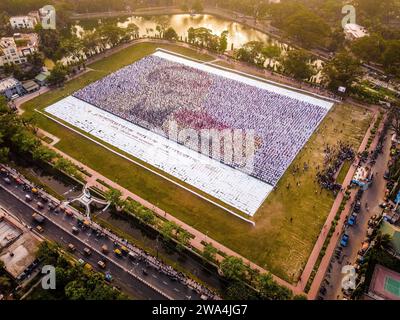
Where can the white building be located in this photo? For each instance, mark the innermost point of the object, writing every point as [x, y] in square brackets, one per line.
[25, 22]
[17, 48]
[354, 31]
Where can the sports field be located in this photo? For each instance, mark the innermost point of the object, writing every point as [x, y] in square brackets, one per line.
[287, 224]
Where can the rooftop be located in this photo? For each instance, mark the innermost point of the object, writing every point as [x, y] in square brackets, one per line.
[7, 84]
[385, 284]
[18, 244]
[355, 30]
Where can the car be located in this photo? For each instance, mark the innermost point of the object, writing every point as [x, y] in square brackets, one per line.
[345, 240]
[75, 229]
[383, 205]
[71, 247]
[144, 271]
[40, 205]
[108, 277]
[81, 262]
[7, 180]
[39, 229]
[101, 264]
[28, 198]
[118, 253]
[352, 220]
[87, 251]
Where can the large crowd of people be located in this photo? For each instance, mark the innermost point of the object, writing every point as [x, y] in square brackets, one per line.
[334, 159]
[155, 91]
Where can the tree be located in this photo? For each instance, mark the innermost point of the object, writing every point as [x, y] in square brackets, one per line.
[223, 41]
[368, 48]
[342, 70]
[58, 75]
[167, 229]
[233, 268]
[270, 290]
[5, 283]
[49, 43]
[307, 28]
[197, 6]
[251, 52]
[238, 290]
[210, 252]
[43, 153]
[383, 241]
[297, 64]
[391, 57]
[395, 124]
[170, 34]
[114, 197]
[271, 52]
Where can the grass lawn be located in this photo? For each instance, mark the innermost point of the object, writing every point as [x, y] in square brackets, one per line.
[343, 172]
[287, 224]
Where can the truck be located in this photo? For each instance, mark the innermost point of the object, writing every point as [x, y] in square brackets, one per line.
[37, 217]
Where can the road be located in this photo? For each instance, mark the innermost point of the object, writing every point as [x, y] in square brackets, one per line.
[126, 272]
[369, 206]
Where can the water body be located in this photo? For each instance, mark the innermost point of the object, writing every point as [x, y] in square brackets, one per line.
[238, 34]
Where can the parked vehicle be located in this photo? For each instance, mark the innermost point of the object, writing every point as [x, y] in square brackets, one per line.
[39, 229]
[101, 264]
[352, 219]
[345, 240]
[75, 230]
[87, 251]
[71, 247]
[118, 252]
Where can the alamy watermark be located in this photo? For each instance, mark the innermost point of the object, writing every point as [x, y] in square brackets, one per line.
[49, 278]
[48, 17]
[350, 15]
[349, 280]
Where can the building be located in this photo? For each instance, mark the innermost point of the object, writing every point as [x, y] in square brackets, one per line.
[41, 78]
[28, 21]
[385, 284]
[17, 48]
[11, 88]
[30, 86]
[354, 31]
[18, 245]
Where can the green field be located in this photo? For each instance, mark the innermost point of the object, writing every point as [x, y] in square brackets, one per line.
[287, 224]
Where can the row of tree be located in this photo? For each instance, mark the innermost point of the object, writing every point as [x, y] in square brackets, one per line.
[73, 282]
[18, 136]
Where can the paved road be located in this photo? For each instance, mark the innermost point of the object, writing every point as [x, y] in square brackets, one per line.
[358, 233]
[123, 270]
